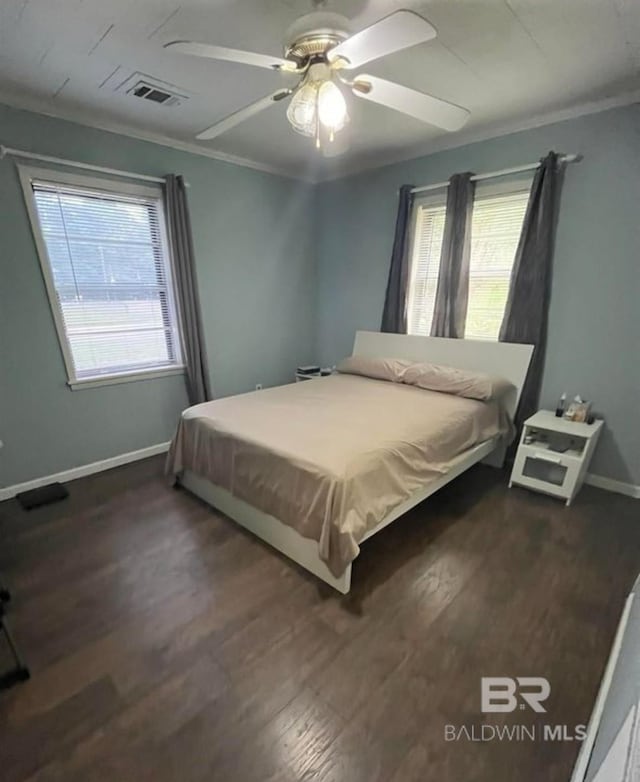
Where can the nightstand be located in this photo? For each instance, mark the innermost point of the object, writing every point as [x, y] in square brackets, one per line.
[554, 454]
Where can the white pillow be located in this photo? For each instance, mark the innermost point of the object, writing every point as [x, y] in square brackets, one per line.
[377, 368]
[432, 377]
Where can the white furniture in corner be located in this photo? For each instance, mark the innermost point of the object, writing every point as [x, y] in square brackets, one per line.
[554, 454]
[300, 376]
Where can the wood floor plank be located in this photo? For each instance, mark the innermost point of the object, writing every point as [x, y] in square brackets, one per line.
[169, 645]
[132, 736]
[27, 747]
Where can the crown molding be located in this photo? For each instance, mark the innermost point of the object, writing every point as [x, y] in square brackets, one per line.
[80, 117]
[454, 141]
[490, 132]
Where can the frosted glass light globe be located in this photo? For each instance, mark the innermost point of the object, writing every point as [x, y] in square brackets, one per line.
[332, 107]
[301, 112]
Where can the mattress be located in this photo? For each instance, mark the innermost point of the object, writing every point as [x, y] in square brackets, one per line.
[332, 456]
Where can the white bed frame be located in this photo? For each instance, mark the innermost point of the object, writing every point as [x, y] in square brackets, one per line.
[505, 360]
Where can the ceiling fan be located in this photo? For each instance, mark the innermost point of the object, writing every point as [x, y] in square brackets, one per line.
[320, 51]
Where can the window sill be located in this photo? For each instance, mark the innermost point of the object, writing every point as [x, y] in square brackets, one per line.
[124, 377]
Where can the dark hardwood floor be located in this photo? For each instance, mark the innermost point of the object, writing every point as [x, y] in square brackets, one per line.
[167, 644]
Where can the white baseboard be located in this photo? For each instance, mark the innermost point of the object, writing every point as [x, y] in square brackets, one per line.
[609, 484]
[599, 481]
[85, 469]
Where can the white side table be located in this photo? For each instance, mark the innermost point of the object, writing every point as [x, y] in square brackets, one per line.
[554, 454]
[300, 376]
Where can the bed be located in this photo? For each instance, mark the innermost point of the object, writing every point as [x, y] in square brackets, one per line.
[316, 468]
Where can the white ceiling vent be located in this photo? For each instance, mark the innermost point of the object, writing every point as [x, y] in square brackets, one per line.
[141, 86]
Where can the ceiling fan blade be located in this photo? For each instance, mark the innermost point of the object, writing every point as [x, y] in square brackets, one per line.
[397, 31]
[232, 55]
[416, 104]
[242, 114]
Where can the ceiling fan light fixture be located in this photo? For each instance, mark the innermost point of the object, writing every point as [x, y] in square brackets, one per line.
[318, 105]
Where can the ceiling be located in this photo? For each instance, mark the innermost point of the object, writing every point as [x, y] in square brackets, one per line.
[510, 62]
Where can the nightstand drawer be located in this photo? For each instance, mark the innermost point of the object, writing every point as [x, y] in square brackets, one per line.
[540, 452]
[547, 471]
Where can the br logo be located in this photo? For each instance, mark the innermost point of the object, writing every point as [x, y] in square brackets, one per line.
[502, 693]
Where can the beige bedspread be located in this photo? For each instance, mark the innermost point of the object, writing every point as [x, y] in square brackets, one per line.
[332, 456]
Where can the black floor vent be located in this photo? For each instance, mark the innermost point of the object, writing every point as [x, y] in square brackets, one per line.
[53, 492]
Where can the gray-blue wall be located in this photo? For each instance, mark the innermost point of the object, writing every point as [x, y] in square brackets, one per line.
[283, 267]
[594, 330]
[253, 238]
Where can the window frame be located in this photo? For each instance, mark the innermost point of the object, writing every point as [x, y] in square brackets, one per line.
[28, 175]
[438, 198]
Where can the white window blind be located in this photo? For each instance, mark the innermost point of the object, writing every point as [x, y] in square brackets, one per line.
[495, 231]
[428, 233]
[108, 265]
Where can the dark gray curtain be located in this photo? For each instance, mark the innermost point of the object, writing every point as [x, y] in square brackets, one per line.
[187, 289]
[394, 314]
[452, 294]
[525, 317]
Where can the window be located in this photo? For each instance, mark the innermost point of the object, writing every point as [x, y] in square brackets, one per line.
[104, 257]
[498, 213]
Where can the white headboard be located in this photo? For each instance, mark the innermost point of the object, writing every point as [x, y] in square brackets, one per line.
[504, 359]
